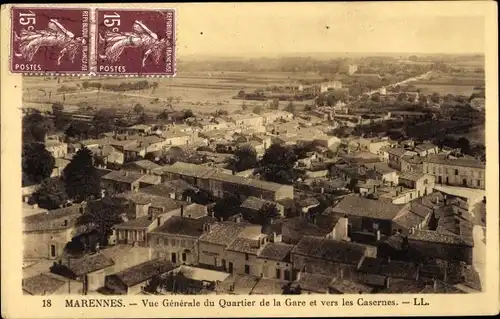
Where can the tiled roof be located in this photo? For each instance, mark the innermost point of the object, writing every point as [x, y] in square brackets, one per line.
[396, 151]
[329, 249]
[141, 222]
[223, 233]
[412, 176]
[310, 201]
[87, 264]
[195, 211]
[345, 286]
[184, 226]
[266, 286]
[143, 164]
[145, 271]
[425, 147]
[465, 162]
[163, 190]
[245, 245]
[276, 251]
[254, 203]
[314, 282]
[179, 185]
[392, 268]
[123, 176]
[142, 198]
[408, 219]
[237, 284]
[441, 288]
[298, 227]
[53, 219]
[234, 179]
[364, 207]
[436, 237]
[188, 169]
[42, 284]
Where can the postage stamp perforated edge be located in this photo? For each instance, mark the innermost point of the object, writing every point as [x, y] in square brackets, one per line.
[92, 47]
[45, 73]
[143, 75]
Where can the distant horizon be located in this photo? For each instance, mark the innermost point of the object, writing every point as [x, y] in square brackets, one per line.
[335, 55]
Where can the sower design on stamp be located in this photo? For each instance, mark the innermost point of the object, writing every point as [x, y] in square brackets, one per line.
[131, 42]
[51, 40]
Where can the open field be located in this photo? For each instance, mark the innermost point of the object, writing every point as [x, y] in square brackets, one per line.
[202, 92]
[444, 89]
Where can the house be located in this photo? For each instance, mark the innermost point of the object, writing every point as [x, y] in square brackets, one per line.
[89, 270]
[237, 285]
[178, 138]
[372, 145]
[333, 85]
[116, 182]
[45, 284]
[384, 173]
[221, 183]
[253, 206]
[411, 163]
[273, 261]
[325, 225]
[141, 166]
[132, 281]
[149, 212]
[327, 257]
[216, 238]
[248, 121]
[426, 149]
[177, 239]
[139, 129]
[445, 246]
[381, 271]
[423, 184]
[464, 172]
[394, 156]
[46, 234]
[368, 215]
[242, 253]
[56, 148]
[271, 117]
[126, 256]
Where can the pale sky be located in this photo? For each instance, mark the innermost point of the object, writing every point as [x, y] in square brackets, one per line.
[282, 28]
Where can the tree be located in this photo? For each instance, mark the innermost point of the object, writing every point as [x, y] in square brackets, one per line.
[464, 145]
[245, 158]
[267, 213]
[241, 93]
[80, 130]
[50, 195]
[138, 108]
[257, 109]
[57, 108]
[37, 162]
[244, 106]
[290, 107]
[275, 104]
[102, 215]
[277, 164]
[104, 121]
[225, 207]
[36, 126]
[81, 179]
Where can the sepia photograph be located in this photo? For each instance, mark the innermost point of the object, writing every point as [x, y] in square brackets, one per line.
[176, 151]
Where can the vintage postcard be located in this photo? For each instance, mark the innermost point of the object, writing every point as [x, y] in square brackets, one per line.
[249, 159]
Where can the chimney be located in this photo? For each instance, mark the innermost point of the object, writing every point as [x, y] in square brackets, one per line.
[275, 239]
[125, 173]
[389, 259]
[182, 210]
[150, 215]
[65, 223]
[445, 276]
[97, 247]
[387, 282]
[341, 273]
[158, 221]
[207, 227]
[434, 285]
[378, 235]
[238, 218]
[322, 190]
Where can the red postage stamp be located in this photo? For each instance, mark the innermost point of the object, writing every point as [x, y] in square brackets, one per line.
[50, 40]
[135, 42]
